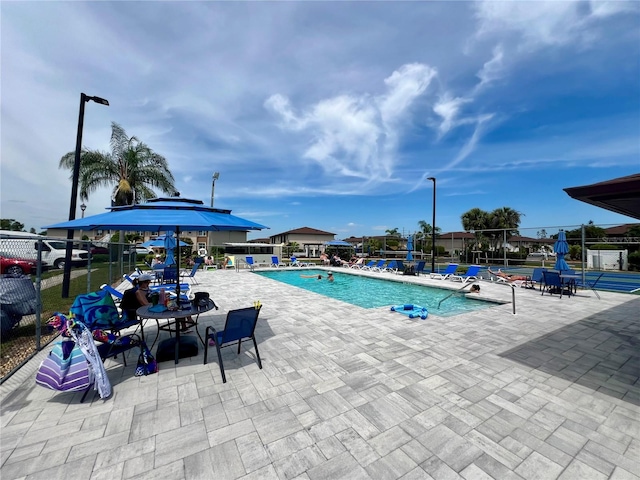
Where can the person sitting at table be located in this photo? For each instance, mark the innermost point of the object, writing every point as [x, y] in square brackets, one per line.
[136, 297]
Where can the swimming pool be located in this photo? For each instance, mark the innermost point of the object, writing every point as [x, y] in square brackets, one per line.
[368, 292]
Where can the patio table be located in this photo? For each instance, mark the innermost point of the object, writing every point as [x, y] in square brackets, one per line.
[569, 280]
[173, 317]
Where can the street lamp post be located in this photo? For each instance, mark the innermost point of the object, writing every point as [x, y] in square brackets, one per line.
[433, 228]
[74, 190]
[83, 207]
[216, 176]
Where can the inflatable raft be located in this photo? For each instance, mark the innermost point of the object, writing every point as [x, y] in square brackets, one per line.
[413, 311]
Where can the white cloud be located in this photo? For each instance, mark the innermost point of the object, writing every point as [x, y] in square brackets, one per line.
[544, 24]
[493, 69]
[448, 108]
[357, 135]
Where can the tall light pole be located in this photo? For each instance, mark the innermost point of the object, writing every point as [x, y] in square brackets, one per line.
[74, 190]
[83, 207]
[433, 228]
[216, 176]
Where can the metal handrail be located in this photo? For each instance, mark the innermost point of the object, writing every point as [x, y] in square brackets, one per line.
[513, 293]
[452, 294]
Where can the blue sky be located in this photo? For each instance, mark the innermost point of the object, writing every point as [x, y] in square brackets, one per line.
[330, 114]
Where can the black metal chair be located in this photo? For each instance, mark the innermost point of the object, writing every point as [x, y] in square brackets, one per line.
[239, 327]
[552, 283]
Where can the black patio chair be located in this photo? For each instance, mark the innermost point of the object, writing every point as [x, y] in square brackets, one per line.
[239, 327]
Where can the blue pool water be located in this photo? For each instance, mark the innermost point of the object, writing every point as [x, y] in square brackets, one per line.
[370, 292]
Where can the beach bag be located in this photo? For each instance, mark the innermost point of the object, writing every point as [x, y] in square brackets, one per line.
[147, 364]
[65, 369]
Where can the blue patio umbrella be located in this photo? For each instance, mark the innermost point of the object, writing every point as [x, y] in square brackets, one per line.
[561, 247]
[158, 242]
[409, 248]
[163, 215]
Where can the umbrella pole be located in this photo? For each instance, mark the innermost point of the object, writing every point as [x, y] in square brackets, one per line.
[178, 266]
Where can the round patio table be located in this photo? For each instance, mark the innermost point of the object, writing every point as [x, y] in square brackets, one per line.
[173, 317]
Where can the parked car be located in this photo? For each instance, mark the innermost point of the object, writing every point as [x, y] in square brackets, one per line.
[16, 266]
[94, 249]
[139, 250]
[53, 251]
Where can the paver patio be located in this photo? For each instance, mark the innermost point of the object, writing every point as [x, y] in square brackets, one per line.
[346, 392]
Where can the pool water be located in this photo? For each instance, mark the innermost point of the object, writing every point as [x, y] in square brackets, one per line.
[370, 292]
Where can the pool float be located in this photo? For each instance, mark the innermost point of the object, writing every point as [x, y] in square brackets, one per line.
[414, 311]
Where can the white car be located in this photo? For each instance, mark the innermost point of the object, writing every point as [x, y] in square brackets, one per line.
[140, 250]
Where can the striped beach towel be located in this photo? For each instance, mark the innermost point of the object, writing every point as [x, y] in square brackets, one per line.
[65, 369]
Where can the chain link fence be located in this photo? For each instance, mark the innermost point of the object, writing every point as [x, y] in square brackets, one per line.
[40, 261]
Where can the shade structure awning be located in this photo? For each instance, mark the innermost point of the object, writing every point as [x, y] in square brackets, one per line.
[620, 195]
[337, 243]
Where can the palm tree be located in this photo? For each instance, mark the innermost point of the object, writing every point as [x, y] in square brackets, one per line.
[426, 231]
[475, 219]
[131, 166]
[505, 218]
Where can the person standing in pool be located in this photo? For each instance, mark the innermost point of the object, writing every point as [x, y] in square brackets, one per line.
[330, 276]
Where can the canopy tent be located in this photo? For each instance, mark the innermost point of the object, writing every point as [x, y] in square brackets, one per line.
[163, 215]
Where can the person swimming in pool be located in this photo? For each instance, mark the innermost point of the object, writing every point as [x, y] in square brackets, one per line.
[319, 277]
[330, 276]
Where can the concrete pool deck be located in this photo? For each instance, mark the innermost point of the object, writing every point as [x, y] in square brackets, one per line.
[346, 392]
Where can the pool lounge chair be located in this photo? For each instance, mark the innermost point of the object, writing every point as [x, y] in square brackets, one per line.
[420, 267]
[469, 276]
[192, 273]
[250, 262]
[115, 294]
[296, 263]
[392, 267]
[368, 266]
[275, 262]
[372, 268]
[381, 268]
[357, 264]
[397, 267]
[450, 270]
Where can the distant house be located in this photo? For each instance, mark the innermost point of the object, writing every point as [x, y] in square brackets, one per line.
[309, 240]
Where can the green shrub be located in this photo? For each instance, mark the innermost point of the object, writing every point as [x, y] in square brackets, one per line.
[604, 246]
[575, 252]
[634, 261]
